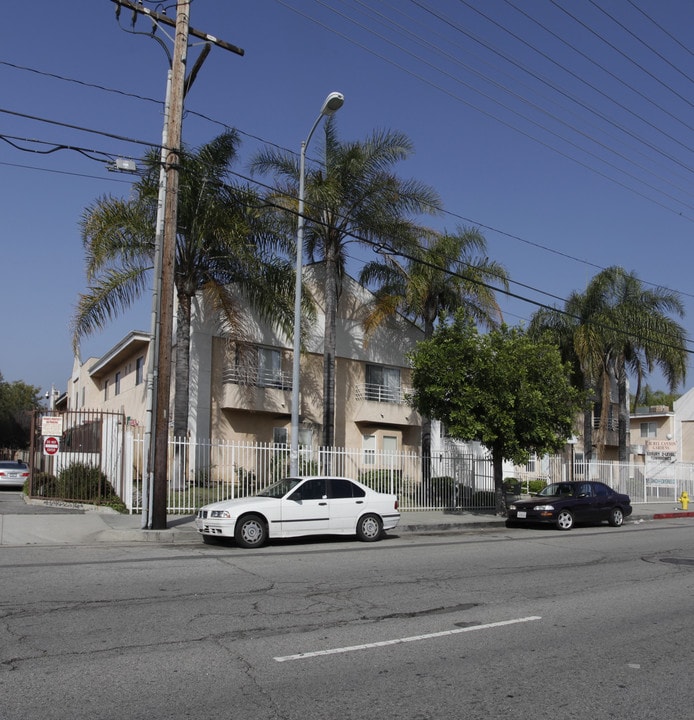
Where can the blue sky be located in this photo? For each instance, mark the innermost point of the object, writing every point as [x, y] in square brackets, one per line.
[561, 128]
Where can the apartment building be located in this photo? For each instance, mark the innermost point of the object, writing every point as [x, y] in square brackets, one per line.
[241, 384]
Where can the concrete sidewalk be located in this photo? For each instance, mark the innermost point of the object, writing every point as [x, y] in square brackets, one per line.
[45, 523]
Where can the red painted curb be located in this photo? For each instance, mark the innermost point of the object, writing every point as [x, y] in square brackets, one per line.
[663, 516]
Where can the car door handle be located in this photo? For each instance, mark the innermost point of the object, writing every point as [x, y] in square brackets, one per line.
[360, 502]
[322, 503]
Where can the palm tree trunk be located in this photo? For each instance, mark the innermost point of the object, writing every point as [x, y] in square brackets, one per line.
[588, 424]
[329, 349]
[499, 494]
[426, 420]
[623, 418]
[182, 377]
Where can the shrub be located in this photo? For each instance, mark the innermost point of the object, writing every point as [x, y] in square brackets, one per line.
[380, 479]
[534, 486]
[43, 484]
[86, 483]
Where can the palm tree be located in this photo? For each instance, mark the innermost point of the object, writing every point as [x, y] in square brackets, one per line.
[445, 273]
[615, 328]
[223, 238]
[640, 336]
[352, 196]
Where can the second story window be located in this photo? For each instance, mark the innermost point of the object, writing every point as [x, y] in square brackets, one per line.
[269, 367]
[105, 389]
[383, 384]
[256, 366]
[117, 384]
[139, 370]
[648, 430]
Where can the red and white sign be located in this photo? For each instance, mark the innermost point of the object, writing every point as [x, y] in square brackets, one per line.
[51, 445]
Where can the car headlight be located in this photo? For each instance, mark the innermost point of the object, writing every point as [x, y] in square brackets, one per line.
[512, 507]
[220, 514]
[543, 507]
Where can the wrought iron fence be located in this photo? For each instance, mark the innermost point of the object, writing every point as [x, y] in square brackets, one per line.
[205, 471]
[77, 456]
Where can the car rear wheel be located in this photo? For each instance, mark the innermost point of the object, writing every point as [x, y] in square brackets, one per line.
[565, 520]
[616, 518]
[369, 528]
[250, 531]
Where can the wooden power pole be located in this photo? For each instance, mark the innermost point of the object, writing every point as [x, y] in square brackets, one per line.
[179, 86]
[168, 262]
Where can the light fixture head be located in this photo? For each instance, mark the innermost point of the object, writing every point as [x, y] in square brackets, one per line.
[332, 103]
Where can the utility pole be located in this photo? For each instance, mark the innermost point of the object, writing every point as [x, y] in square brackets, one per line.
[166, 285]
[168, 262]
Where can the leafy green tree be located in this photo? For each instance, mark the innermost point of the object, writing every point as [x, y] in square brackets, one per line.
[615, 328]
[353, 195]
[224, 244]
[650, 397]
[509, 392]
[443, 273]
[17, 402]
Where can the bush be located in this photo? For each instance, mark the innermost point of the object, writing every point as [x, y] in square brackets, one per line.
[44, 484]
[380, 479]
[512, 486]
[534, 486]
[86, 483]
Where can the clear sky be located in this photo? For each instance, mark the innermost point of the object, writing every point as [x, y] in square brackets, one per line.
[561, 128]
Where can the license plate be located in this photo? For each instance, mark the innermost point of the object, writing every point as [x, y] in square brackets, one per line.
[522, 514]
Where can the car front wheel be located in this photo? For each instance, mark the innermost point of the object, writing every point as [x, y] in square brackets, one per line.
[250, 531]
[616, 518]
[369, 528]
[565, 520]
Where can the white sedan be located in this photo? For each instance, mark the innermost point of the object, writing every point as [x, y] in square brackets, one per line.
[299, 506]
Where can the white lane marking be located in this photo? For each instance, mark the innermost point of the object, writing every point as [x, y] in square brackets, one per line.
[398, 641]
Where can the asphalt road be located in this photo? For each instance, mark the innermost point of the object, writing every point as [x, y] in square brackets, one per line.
[595, 623]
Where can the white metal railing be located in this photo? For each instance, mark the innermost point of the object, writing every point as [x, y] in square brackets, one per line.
[381, 393]
[204, 471]
[253, 376]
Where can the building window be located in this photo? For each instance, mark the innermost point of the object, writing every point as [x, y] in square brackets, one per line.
[383, 384]
[105, 389]
[649, 430]
[269, 367]
[279, 436]
[256, 366]
[369, 446]
[390, 444]
[117, 384]
[139, 370]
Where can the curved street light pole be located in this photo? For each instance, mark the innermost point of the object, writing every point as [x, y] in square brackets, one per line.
[331, 105]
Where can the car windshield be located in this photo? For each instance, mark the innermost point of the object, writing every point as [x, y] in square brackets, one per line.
[280, 488]
[13, 465]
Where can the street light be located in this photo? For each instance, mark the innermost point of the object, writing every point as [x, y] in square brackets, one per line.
[331, 105]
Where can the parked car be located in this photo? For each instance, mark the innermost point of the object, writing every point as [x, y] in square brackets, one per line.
[13, 473]
[298, 506]
[567, 503]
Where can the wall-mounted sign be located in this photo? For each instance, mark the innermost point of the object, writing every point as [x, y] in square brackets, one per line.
[52, 425]
[661, 448]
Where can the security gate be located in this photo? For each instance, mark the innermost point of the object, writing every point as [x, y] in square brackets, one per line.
[77, 455]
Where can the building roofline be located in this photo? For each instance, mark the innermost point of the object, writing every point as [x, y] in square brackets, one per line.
[134, 340]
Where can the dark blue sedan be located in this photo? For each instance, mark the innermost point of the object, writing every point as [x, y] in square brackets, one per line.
[564, 504]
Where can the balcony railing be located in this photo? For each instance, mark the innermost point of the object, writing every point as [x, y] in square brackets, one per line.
[381, 393]
[245, 375]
